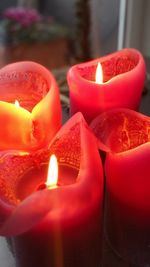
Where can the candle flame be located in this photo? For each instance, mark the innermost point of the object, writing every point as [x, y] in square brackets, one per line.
[52, 176]
[99, 74]
[17, 103]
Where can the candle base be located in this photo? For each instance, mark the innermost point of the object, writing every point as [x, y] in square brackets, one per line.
[127, 236]
[60, 247]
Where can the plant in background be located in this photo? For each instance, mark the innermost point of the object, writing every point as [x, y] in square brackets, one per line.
[83, 27]
[28, 25]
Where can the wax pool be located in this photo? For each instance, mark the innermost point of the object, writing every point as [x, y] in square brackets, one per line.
[35, 122]
[121, 86]
[124, 134]
[59, 226]
[67, 176]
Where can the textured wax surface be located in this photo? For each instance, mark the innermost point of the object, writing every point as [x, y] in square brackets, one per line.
[68, 150]
[18, 83]
[13, 166]
[122, 130]
[112, 67]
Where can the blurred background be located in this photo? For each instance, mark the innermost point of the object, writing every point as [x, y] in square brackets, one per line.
[57, 33]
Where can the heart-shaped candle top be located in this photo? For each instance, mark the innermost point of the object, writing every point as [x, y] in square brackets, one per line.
[112, 65]
[121, 85]
[22, 206]
[38, 118]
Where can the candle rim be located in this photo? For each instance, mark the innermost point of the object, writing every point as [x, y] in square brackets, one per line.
[102, 59]
[103, 146]
[143, 147]
[34, 67]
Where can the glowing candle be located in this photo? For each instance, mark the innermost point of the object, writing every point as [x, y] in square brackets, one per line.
[121, 86]
[58, 224]
[32, 124]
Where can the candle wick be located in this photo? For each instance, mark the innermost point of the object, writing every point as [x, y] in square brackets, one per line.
[52, 186]
[42, 187]
[46, 186]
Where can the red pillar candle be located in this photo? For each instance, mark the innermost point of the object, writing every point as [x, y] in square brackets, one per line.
[38, 118]
[124, 134]
[121, 86]
[58, 226]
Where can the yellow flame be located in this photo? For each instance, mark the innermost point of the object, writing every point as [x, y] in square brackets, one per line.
[99, 74]
[52, 176]
[17, 103]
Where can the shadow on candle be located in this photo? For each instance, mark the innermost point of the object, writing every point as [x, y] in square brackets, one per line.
[124, 135]
[59, 226]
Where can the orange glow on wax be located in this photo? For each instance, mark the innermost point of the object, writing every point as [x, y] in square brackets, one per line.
[17, 103]
[52, 176]
[99, 74]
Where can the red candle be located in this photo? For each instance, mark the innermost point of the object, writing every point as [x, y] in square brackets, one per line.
[121, 85]
[56, 226]
[125, 135]
[38, 118]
